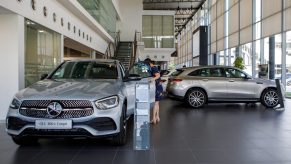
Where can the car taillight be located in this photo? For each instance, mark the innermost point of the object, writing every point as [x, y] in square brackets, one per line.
[163, 81]
[176, 80]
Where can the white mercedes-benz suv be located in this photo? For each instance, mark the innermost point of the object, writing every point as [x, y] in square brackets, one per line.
[83, 98]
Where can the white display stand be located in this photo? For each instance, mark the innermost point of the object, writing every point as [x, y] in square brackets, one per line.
[141, 137]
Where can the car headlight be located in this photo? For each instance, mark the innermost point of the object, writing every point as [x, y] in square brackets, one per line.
[107, 103]
[15, 104]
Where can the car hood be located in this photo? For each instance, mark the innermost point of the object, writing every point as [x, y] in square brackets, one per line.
[70, 90]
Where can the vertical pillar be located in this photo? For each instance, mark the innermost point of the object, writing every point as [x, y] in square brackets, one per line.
[283, 59]
[237, 52]
[283, 42]
[214, 59]
[254, 56]
[225, 57]
[62, 48]
[12, 59]
[254, 34]
[262, 52]
[272, 57]
[93, 54]
[229, 57]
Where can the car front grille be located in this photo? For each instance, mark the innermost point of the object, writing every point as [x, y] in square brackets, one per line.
[64, 103]
[71, 109]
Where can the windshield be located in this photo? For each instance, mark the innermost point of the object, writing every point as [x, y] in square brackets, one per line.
[86, 70]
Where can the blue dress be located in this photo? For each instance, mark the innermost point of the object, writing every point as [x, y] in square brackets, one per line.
[159, 87]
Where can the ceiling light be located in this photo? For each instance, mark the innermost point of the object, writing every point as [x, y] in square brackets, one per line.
[41, 31]
[30, 23]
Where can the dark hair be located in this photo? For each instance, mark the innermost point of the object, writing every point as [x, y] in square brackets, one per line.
[149, 61]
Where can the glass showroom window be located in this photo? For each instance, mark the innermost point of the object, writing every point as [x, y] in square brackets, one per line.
[265, 57]
[103, 12]
[158, 31]
[247, 56]
[43, 51]
[258, 57]
[232, 56]
[272, 58]
[278, 56]
[221, 58]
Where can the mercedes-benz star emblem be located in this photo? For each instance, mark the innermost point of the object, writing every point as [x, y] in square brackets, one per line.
[54, 109]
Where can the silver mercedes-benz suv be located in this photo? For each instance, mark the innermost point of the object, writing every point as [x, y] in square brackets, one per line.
[84, 98]
[200, 85]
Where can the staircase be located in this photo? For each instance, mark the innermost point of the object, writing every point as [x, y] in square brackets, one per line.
[124, 52]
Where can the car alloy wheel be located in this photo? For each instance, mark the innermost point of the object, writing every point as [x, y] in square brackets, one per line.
[196, 98]
[271, 98]
[121, 137]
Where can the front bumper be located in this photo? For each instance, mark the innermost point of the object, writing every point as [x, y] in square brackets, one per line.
[100, 124]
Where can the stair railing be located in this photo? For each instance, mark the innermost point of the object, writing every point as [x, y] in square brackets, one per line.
[137, 38]
[112, 47]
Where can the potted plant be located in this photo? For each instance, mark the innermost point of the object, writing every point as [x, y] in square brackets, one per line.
[239, 63]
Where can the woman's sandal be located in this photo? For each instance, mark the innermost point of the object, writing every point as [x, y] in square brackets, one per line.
[153, 122]
[158, 119]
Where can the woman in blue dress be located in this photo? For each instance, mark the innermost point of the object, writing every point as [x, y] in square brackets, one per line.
[159, 90]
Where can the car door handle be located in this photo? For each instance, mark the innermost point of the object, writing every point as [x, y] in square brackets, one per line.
[231, 80]
[204, 79]
[259, 83]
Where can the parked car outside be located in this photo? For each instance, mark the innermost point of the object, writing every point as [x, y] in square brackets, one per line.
[83, 98]
[201, 85]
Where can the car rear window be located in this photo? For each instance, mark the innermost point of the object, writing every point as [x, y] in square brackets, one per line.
[164, 72]
[177, 72]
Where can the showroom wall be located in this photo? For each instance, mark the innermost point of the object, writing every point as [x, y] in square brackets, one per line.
[131, 19]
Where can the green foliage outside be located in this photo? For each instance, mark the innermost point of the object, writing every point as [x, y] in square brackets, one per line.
[239, 63]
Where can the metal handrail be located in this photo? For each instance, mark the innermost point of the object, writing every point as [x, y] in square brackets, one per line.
[137, 38]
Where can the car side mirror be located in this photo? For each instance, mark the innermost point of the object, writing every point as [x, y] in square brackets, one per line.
[43, 76]
[132, 77]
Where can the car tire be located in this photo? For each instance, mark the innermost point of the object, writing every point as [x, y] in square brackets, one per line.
[196, 98]
[121, 137]
[270, 98]
[25, 141]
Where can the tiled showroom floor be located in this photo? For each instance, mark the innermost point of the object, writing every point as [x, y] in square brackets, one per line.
[218, 133]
